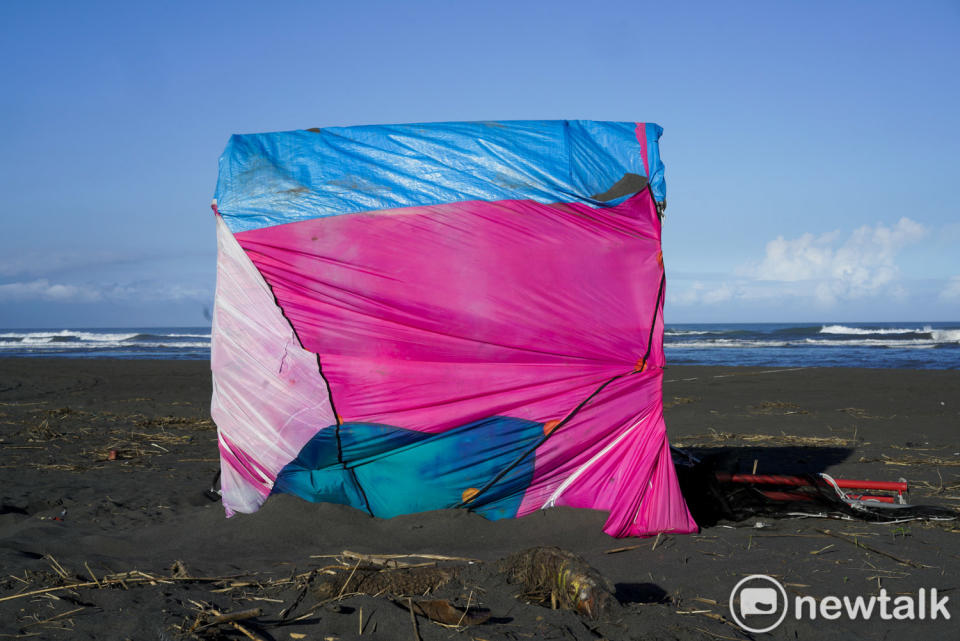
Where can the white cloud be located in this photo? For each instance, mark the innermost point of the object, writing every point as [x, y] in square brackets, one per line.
[141, 291]
[149, 291]
[803, 258]
[861, 265]
[44, 290]
[822, 269]
[952, 290]
[720, 294]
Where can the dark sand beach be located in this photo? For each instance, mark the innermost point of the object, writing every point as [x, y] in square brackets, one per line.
[114, 529]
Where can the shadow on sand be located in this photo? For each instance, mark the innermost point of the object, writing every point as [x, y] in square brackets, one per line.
[711, 502]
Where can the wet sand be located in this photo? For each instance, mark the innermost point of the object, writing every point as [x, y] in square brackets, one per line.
[69, 515]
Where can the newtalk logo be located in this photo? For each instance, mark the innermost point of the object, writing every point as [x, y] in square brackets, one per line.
[758, 603]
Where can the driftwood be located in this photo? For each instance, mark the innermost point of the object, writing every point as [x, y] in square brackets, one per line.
[393, 560]
[413, 621]
[230, 618]
[442, 611]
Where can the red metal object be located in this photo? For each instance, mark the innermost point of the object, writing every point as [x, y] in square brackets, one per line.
[890, 486]
[786, 496]
[800, 481]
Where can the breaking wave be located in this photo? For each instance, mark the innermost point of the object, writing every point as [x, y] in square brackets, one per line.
[912, 345]
[867, 331]
[65, 334]
[88, 343]
[727, 343]
[949, 336]
[946, 335]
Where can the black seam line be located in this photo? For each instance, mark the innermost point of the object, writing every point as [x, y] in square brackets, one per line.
[356, 481]
[656, 306]
[340, 461]
[337, 422]
[283, 313]
[326, 382]
[543, 440]
[333, 408]
[656, 309]
[526, 453]
[530, 450]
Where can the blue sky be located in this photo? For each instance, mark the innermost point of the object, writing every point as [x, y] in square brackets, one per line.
[811, 147]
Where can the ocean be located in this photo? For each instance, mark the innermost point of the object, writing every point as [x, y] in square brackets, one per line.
[909, 345]
[905, 345]
[189, 343]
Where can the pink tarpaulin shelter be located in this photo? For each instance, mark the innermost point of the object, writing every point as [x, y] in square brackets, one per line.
[454, 315]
